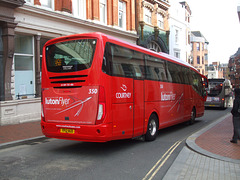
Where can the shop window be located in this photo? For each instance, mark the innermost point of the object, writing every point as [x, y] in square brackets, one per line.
[79, 8]
[24, 67]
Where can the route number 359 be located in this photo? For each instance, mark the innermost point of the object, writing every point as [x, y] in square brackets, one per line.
[92, 91]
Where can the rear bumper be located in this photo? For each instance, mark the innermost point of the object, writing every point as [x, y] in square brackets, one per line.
[213, 104]
[89, 133]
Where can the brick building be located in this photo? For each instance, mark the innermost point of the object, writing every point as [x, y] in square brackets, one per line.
[199, 55]
[24, 28]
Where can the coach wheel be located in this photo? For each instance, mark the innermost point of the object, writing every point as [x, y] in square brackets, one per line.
[152, 129]
[193, 116]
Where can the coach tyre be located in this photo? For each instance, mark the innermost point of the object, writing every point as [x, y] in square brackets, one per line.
[193, 116]
[152, 129]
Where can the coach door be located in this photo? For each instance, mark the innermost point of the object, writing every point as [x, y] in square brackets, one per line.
[127, 91]
[138, 116]
[122, 107]
[138, 90]
[122, 90]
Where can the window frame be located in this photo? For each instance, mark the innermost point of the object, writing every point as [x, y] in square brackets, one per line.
[103, 18]
[147, 15]
[52, 4]
[160, 20]
[122, 22]
[20, 54]
[78, 5]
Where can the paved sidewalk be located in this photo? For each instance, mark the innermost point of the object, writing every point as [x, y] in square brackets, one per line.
[209, 155]
[11, 135]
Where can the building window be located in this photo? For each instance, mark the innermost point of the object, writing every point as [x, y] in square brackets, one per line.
[205, 46]
[189, 39]
[187, 18]
[198, 47]
[176, 36]
[103, 11]
[177, 54]
[147, 15]
[79, 8]
[198, 59]
[206, 56]
[47, 3]
[24, 66]
[154, 46]
[122, 14]
[160, 20]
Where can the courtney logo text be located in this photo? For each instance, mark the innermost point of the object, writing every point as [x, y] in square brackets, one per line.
[123, 95]
[59, 100]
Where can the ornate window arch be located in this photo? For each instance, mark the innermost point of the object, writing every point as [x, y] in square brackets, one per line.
[148, 5]
[154, 46]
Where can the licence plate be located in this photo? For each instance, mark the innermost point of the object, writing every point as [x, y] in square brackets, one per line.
[68, 131]
[209, 99]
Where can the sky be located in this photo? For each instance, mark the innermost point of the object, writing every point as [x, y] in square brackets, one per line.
[218, 21]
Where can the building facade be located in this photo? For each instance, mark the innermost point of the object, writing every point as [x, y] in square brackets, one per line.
[24, 28]
[179, 38]
[199, 52]
[234, 69]
[152, 24]
[218, 70]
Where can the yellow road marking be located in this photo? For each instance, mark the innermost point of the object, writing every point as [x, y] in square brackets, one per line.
[162, 160]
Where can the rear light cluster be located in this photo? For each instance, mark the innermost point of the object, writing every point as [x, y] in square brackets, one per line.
[101, 106]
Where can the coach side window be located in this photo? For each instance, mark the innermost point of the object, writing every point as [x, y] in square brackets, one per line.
[174, 70]
[138, 65]
[107, 60]
[155, 69]
[122, 62]
[197, 83]
[185, 75]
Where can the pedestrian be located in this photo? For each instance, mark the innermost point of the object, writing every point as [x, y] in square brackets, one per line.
[236, 116]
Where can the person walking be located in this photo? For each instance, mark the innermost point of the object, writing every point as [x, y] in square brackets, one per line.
[236, 116]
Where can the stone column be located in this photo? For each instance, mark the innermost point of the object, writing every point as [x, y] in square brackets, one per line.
[8, 52]
[37, 65]
[1, 68]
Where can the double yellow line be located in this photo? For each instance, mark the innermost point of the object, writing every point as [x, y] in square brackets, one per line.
[150, 175]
